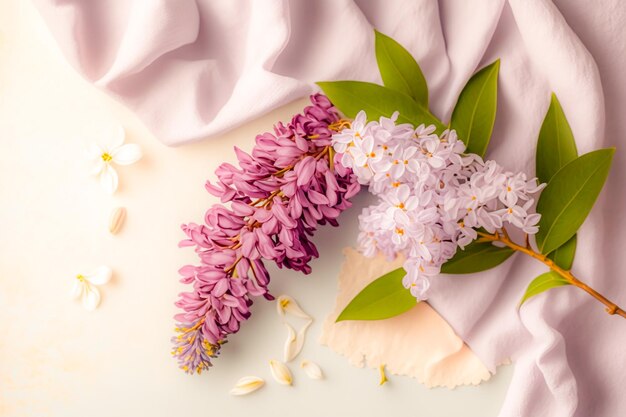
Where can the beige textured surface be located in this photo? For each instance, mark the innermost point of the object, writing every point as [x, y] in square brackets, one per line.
[418, 343]
[58, 360]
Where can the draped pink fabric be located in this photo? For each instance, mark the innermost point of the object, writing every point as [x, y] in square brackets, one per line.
[191, 69]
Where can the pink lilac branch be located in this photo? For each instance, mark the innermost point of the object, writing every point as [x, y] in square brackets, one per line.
[271, 205]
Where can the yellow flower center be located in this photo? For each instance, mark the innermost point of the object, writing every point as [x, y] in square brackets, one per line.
[400, 206]
[80, 277]
[284, 303]
[106, 157]
[399, 231]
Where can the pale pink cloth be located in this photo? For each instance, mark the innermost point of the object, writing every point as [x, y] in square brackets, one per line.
[194, 68]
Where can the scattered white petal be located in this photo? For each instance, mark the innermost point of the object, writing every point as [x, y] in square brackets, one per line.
[118, 216]
[100, 276]
[280, 372]
[311, 369]
[91, 297]
[290, 343]
[295, 342]
[287, 305]
[246, 385]
[77, 289]
[108, 179]
[126, 154]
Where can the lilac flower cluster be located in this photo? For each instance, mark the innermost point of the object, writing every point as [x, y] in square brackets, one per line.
[433, 196]
[272, 203]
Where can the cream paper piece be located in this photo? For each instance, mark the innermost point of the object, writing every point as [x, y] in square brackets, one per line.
[418, 343]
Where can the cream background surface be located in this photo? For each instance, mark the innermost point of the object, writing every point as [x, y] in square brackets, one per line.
[57, 359]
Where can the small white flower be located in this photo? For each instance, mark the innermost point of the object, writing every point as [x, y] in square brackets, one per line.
[364, 153]
[85, 286]
[400, 159]
[113, 152]
[423, 131]
[351, 136]
[401, 202]
[512, 190]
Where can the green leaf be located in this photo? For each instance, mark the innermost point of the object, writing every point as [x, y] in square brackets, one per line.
[383, 298]
[399, 69]
[555, 146]
[542, 283]
[352, 96]
[475, 111]
[476, 257]
[567, 200]
[563, 256]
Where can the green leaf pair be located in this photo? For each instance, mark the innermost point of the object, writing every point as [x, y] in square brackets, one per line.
[406, 91]
[574, 184]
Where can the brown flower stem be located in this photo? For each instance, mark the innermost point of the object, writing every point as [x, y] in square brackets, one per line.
[611, 307]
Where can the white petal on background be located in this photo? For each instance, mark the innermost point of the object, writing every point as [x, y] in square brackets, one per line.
[97, 166]
[280, 372]
[91, 297]
[312, 370]
[126, 154]
[117, 138]
[94, 151]
[77, 289]
[108, 179]
[100, 276]
[246, 385]
[295, 341]
[287, 305]
[94, 154]
[290, 344]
